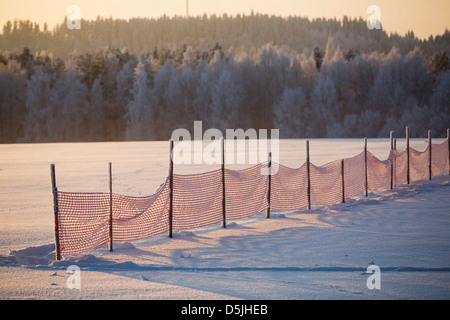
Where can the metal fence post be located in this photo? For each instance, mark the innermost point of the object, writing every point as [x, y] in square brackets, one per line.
[366, 189]
[342, 181]
[110, 210]
[448, 142]
[308, 172]
[55, 211]
[394, 164]
[429, 155]
[269, 185]
[408, 180]
[224, 217]
[392, 161]
[171, 190]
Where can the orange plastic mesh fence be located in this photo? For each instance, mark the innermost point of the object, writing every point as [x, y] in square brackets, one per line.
[137, 218]
[84, 218]
[246, 191]
[354, 175]
[400, 159]
[288, 188]
[439, 158]
[378, 173]
[419, 162]
[197, 200]
[83, 221]
[326, 184]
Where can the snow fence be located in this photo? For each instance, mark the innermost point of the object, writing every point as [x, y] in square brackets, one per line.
[85, 221]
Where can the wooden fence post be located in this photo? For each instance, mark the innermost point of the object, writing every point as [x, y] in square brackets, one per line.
[407, 157]
[342, 181]
[110, 210]
[429, 155]
[269, 185]
[171, 190]
[366, 189]
[308, 172]
[55, 211]
[224, 217]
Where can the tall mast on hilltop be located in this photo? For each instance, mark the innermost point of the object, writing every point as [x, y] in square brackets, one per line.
[187, 8]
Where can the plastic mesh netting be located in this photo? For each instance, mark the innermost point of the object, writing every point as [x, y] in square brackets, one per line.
[83, 221]
[440, 158]
[137, 218]
[354, 175]
[288, 189]
[419, 162]
[246, 192]
[198, 199]
[378, 173]
[326, 183]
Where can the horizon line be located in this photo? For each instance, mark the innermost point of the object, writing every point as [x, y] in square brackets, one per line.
[52, 28]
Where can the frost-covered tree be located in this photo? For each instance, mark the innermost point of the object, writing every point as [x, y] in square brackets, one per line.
[97, 126]
[165, 112]
[188, 80]
[69, 102]
[248, 78]
[324, 107]
[440, 105]
[365, 85]
[140, 107]
[289, 113]
[203, 99]
[226, 98]
[274, 63]
[39, 112]
[13, 81]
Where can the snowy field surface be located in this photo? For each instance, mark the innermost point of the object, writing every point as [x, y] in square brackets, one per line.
[319, 254]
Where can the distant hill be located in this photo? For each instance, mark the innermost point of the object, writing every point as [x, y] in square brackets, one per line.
[143, 35]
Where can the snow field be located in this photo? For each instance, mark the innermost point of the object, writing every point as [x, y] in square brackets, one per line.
[317, 254]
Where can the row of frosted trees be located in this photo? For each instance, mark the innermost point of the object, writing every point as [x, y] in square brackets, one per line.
[116, 95]
[142, 35]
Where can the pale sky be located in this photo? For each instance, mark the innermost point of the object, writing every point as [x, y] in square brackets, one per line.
[424, 17]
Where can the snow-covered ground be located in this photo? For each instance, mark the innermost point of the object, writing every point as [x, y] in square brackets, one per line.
[319, 254]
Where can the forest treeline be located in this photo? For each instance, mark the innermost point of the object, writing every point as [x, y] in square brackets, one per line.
[140, 79]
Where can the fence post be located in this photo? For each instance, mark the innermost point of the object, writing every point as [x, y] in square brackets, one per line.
[308, 172]
[171, 189]
[392, 161]
[110, 210]
[429, 155]
[391, 139]
[366, 192]
[269, 186]
[55, 211]
[407, 156]
[224, 218]
[394, 164]
[342, 181]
